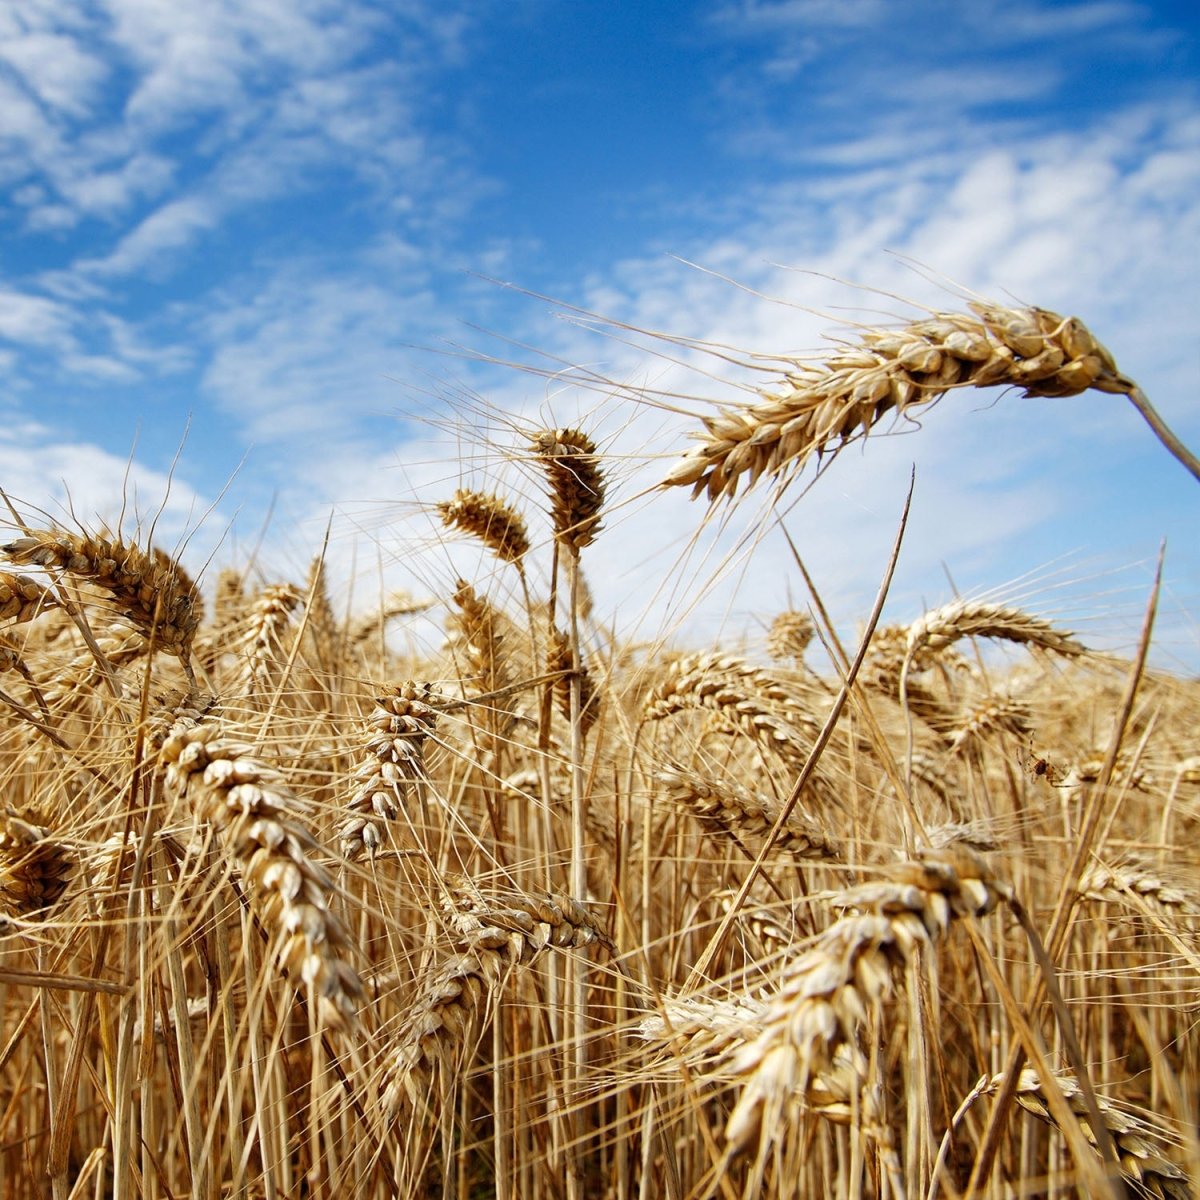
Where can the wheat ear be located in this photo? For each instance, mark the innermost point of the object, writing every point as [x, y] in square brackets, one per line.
[744, 696]
[726, 809]
[822, 406]
[493, 937]
[498, 525]
[22, 598]
[261, 643]
[942, 627]
[254, 814]
[393, 765]
[789, 636]
[35, 868]
[808, 1032]
[148, 588]
[577, 487]
[1142, 1161]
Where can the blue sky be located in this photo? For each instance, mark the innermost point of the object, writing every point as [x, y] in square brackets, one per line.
[269, 223]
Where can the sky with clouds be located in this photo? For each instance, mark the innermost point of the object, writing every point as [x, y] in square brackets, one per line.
[309, 242]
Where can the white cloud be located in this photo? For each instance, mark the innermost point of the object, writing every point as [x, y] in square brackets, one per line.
[169, 228]
[34, 320]
[112, 191]
[56, 69]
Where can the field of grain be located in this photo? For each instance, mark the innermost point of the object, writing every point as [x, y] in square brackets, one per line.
[550, 912]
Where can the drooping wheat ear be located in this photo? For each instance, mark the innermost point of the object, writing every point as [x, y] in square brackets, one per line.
[1187, 770]
[1142, 1159]
[558, 658]
[884, 665]
[35, 868]
[492, 936]
[744, 696]
[22, 598]
[1128, 772]
[261, 645]
[148, 588]
[76, 678]
[253, 812]
[942, 627]
[577, 485]
[771, 929]
[497, 525]
[393, 765]
[826, 993]
[789, 636]
[725, 809]
[1132, 880]
[821, 406]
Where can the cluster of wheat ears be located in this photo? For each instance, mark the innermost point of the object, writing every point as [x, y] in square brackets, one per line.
[287, 912]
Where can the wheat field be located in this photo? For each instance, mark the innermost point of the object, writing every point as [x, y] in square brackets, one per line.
[543, 911]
